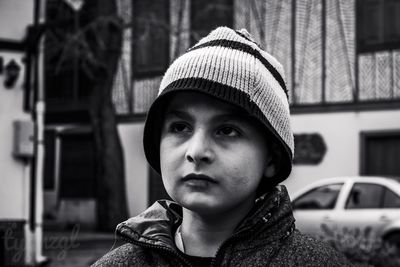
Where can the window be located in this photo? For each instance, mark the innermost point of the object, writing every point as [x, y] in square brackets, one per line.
[365, 196]
[378, 25]
[391, 200]
[145, 56]
[221, 12]
[345, 53]
[150, 44]
[67, 85]
[380, 152]
[323, 197]
[64, 79]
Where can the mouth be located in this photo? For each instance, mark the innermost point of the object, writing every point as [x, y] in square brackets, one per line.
[199, 177]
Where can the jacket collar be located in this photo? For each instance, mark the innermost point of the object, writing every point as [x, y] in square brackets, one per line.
[271, 218]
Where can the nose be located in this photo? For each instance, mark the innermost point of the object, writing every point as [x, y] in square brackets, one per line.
[199, 148]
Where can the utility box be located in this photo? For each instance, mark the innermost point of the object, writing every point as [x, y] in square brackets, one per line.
[23, 139]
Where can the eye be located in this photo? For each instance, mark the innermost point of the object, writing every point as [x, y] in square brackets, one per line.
[228, 131]
[179, 127]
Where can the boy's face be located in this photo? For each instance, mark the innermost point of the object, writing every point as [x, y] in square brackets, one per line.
[212, 156]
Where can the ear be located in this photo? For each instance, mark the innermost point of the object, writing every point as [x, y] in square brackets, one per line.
[274, 159]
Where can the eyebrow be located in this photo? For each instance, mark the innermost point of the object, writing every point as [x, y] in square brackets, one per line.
[178, 113]
[229, 115]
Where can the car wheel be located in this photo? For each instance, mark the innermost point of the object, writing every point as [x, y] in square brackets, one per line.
[393, 239]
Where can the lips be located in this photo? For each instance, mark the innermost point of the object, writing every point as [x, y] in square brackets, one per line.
[198, 177]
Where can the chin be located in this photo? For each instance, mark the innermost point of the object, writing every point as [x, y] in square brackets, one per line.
[200, 204]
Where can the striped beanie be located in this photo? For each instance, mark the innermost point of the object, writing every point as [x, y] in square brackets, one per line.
[230, 66]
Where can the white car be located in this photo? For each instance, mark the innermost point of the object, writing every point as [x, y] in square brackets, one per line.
[350, 203]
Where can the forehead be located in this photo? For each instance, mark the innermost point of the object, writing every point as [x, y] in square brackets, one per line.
[194, 100]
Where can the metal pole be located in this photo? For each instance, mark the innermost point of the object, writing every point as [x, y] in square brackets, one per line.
[323, 54]
[39, 109]
[294, 100]
[76, 62]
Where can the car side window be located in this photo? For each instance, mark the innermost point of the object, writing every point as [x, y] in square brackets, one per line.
[323, 197]
[365, 196]
[391, 200]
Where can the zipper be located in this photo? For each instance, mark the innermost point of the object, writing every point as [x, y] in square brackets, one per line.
[157, 247]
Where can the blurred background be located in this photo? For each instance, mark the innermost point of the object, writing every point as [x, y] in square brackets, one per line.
[77, 77]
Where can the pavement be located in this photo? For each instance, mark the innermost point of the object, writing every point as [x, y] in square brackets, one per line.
[75, 248]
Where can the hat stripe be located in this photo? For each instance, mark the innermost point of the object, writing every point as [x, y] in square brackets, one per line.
[220, 64]
[245, 37]
[247, 49]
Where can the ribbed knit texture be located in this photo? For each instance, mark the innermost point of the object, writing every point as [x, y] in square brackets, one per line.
[229, 65]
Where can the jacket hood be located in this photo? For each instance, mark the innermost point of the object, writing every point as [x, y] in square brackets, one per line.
[271, 218]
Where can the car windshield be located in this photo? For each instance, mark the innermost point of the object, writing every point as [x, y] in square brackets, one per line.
[323, 197]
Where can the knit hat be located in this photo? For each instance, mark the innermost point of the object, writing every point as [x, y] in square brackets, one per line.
[230, 66]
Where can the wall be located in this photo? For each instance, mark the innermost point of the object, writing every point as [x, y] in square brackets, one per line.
[14, 16]
[341, 133]
[136, 168]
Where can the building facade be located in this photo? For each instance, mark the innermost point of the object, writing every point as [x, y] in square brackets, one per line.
[341, 61]
[342, 65]
[15, 160]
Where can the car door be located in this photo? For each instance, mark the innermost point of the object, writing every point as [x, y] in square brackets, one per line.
[315, 207]
[391, 207]
[364, 208]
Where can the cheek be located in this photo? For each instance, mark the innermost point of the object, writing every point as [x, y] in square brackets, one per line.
[163, 155]
[248, 166]
[170, 157]
[166, 152]
[165, 166]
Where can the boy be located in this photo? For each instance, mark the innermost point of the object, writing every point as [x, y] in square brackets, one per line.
[219, 133]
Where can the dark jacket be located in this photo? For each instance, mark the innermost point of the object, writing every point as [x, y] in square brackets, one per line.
[266, 237]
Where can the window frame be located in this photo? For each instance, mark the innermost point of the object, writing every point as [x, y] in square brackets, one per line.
[355, 104]
[150, 70]
[383, 43]
[196, 26]
[381, 197]
[387, 189]
[69, 105]
[341, 184]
